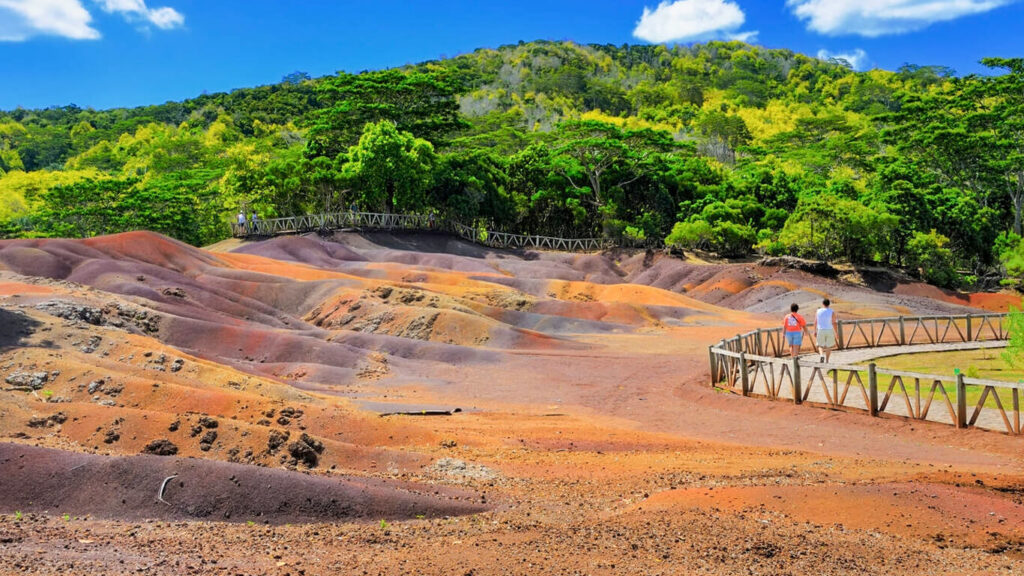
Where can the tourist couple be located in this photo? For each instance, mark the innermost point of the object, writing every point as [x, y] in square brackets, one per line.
[824, 330]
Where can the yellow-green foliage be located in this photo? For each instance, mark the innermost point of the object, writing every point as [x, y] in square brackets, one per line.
[20, 192]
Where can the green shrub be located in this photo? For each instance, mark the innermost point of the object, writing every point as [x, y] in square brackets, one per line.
[928, 253]
[693, 235]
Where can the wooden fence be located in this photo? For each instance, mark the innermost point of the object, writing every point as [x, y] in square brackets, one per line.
[420, 222]
[752, 364]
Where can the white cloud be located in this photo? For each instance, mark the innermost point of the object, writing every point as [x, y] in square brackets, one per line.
[23, 19]
[689, 20]
[164, 18]
[874, 18]
[856, 59]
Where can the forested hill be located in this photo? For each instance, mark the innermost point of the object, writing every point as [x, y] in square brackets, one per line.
[724, 147]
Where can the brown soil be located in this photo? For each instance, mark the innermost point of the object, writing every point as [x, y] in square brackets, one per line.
[587, 440]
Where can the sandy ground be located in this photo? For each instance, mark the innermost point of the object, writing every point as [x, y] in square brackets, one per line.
[580, 436]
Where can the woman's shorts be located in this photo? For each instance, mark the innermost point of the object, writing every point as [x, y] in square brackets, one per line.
[827, 338]
[794, 338]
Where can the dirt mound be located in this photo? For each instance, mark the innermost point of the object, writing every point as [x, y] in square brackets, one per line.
[43, 480]
[305, 249]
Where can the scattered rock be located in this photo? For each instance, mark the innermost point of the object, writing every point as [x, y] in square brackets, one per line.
[174, 426]
[207, 422]
[161, 447]
[92, 345]
[177, 365]
[113, 314]
[460, 469]
[206, 442]
[47, 421]
[72, 311]
[277, 439]
[306, 450]
[34, 380]
[174, 292]
[111, 436]
[96, 385]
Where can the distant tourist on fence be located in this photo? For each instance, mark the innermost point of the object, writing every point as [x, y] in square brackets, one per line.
[825, 330]
[252, 221]
[795, 327]
[241, 222]
[432, 219]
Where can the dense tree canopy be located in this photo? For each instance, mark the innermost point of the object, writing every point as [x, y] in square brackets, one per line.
[721, 146]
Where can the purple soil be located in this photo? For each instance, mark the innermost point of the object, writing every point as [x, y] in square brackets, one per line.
[36, 479]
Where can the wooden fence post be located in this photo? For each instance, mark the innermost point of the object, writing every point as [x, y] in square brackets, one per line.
[970, 329]
[903, 331]
[744, 376]
[714, 365]
[873, 389]
[797, 384]
[961, 402]
[760, 344]
[839, 335]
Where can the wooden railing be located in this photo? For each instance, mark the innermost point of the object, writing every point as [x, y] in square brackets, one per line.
[420, 222]
[752, 364]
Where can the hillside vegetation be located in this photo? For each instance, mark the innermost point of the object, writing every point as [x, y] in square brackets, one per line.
[724, 147]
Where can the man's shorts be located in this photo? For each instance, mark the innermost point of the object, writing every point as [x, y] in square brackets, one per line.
[827, 338]
[794, 338]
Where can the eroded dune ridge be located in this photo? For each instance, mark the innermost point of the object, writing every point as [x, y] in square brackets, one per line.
[580, 435]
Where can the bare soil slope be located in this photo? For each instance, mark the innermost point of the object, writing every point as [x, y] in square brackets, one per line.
[585, 439]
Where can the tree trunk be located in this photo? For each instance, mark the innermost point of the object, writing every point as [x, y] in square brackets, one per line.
[1018, 203]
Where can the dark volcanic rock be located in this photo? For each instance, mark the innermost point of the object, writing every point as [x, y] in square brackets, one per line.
[161, 447]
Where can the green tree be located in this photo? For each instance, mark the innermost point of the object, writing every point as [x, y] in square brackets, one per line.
[420, 102]
[390, 170]
[1002, 112]
[596, 157]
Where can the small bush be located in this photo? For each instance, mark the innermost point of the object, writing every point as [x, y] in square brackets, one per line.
[693, 235]
[930, 256]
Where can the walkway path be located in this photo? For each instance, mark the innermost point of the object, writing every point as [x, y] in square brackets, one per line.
[865, 355]
[918, 394]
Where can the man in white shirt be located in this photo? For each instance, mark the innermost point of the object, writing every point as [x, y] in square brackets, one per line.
[825, 330]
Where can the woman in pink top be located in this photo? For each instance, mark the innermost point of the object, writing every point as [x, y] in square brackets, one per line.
[795, 327]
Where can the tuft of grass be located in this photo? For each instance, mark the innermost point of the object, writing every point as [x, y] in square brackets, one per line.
[17, 515]
[383, 524]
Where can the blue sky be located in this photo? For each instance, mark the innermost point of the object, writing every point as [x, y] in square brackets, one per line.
[107, 53]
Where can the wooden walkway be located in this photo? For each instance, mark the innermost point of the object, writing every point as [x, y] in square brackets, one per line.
[413, 222]
[754, 364]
